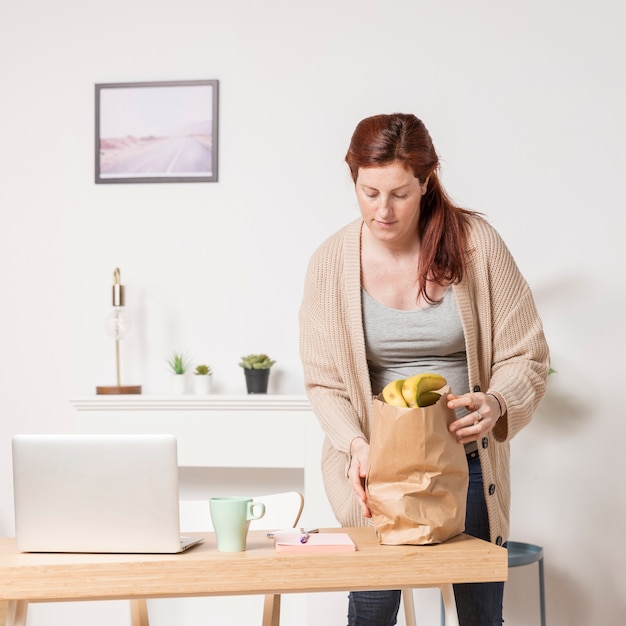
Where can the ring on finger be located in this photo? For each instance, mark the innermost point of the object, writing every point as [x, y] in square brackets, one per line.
[480, 417]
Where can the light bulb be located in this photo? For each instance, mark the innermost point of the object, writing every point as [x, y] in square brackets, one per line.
[118, 323]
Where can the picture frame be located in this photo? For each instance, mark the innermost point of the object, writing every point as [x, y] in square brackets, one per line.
[156, 132]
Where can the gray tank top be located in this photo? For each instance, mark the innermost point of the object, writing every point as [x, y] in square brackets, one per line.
[401, 343]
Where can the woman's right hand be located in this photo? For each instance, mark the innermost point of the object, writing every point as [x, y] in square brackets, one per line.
[357, 472]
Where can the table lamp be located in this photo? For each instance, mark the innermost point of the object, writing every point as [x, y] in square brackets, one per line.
[117, 325]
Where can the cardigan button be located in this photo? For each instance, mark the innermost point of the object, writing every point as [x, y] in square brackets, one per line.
[476, 388]
[498, 540]
[485, 442]
[492, 489]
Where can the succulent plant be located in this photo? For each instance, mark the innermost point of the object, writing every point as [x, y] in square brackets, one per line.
[203, 370]
[178, 363]
[256, 362]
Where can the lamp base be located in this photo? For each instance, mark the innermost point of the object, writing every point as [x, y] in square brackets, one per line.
[119, 390]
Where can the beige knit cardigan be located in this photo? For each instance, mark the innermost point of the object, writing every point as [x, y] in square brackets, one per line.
[506, 353]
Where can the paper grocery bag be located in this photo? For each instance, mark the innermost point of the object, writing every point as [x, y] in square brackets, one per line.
[417, 480]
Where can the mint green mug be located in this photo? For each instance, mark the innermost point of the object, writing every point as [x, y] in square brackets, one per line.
[231, 516]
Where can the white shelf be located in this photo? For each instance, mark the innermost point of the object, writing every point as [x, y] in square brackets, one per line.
[190, 402]
[222, 438]
[254, 430]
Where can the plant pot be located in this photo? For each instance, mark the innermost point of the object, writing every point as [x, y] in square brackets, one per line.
[256, 380]
[202, 383]
[178, 384]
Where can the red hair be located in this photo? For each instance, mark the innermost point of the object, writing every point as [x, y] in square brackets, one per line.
[443, 226]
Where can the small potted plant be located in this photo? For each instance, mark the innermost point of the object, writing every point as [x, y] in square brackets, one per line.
[256, 368]
[202, 379]
[179, 364]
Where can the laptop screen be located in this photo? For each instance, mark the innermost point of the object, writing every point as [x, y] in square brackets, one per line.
[96, 493]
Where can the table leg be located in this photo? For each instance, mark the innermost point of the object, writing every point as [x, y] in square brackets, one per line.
[409, 607]
[17, 613]
[139, 612]
[271, 610]
[447, 595]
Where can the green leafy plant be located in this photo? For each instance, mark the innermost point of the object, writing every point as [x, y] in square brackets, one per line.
[203, 370]
[256, 362]
[178, 363]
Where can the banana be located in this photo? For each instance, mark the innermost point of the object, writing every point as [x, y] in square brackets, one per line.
[392, 393]
[418, 384]
[428, 398]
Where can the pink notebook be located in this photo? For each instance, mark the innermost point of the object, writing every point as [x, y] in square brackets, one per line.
[317, 542]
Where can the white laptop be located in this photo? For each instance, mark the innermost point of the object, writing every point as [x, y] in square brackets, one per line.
[97, 493]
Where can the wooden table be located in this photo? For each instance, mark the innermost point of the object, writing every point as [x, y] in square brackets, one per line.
[203, 571]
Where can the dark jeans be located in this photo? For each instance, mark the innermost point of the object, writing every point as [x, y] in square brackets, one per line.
[478, 604]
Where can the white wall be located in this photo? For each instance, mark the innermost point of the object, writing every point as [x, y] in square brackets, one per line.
[525, 103]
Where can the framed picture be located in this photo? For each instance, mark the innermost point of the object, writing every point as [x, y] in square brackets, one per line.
[157, 132]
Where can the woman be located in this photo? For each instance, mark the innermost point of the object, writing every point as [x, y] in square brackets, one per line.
[418, 284]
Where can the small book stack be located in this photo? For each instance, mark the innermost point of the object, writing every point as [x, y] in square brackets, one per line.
[316, 542]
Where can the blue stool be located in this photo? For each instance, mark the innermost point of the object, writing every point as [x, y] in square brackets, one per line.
[524, 554]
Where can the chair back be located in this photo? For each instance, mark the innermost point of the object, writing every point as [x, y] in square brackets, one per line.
[282, 510]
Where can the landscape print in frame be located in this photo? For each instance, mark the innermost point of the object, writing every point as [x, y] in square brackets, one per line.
[157, 132]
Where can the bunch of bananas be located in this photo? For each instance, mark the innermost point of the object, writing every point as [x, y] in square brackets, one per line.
[415, 391]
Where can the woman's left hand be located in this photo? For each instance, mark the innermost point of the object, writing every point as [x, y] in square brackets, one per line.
[484, 413]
